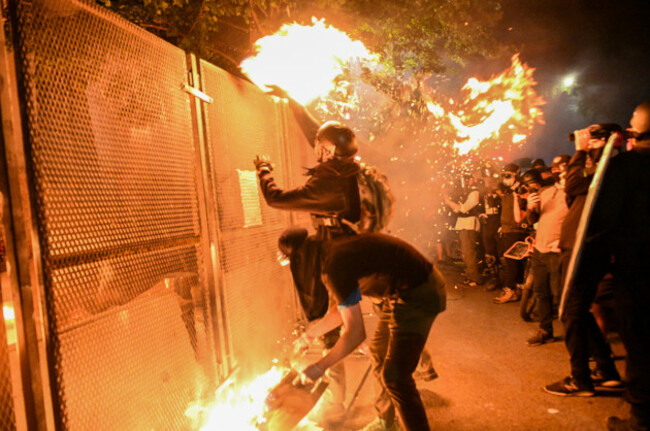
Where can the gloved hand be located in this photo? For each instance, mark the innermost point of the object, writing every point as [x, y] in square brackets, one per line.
[533, 201]
[278, 92]
[262, 164]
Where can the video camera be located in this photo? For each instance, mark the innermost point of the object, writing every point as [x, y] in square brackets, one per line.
[603, 131]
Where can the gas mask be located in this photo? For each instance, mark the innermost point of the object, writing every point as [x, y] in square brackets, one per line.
[508, 179]
[324, 150]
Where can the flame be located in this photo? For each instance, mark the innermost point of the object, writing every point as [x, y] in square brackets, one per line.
[304, 60]
[241, 406]
[505, 103]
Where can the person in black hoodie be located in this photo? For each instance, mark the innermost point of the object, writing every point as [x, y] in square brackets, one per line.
[583, 336]
[620, 225]
[331, 196]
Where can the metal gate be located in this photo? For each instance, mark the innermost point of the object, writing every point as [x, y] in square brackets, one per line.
[146, 262]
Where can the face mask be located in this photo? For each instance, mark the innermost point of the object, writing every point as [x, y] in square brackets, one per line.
[324, 151]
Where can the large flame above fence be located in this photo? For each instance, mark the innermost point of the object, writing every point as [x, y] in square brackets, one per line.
[304, 60]
[308, 61]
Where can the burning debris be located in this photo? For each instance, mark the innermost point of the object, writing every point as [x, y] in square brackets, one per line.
[273, 401]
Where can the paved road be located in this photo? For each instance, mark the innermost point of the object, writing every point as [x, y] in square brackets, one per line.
[490, 379]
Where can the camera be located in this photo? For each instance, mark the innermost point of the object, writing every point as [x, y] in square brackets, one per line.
[603, 131]
[521, 190]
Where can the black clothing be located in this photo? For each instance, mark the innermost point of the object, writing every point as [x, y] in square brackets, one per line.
[583, 336]
[411, 301]
[348, 260]
[620, 225]
[331, 190]
[330, 194]
[508, 223]
[576, 188]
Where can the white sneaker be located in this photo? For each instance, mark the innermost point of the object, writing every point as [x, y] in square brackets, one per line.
[507, 295]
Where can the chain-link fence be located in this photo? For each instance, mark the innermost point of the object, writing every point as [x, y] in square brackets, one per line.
[147, 251]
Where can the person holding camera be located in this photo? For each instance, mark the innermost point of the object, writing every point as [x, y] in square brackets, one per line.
[619, 227]
[546, 206]
[467, 225]
[583, 337]
[511, 232]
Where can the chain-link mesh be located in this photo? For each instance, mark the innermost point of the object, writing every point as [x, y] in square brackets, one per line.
[112, 151]
[258, 292]
[7, 412]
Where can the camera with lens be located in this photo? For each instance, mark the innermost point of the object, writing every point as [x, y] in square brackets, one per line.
[521, 189]
[602, 131]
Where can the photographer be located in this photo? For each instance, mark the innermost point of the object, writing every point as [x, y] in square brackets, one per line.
[467, 225]
[583, 337]
[546, 206]
[619, 227]
[511, 232]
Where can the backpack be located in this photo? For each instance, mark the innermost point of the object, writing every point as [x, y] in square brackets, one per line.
[377, 200]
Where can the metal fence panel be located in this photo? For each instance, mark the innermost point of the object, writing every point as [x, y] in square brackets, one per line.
[117, 197]
[7, 412]
[259, 296]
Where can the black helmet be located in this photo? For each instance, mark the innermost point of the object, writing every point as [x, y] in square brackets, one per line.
[532, 176]
[341, 136]
[539, 164]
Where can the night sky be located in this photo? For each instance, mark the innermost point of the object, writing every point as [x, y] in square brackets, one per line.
[604, 44]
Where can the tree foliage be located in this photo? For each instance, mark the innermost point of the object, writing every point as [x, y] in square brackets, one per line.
[413, 37]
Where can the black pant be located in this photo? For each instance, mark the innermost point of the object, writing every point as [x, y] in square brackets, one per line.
[632, 296]
[583, 336]
[546, 279]
[490, 233]
[513, 270]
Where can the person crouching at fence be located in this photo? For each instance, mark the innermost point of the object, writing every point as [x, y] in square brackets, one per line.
[381, 267]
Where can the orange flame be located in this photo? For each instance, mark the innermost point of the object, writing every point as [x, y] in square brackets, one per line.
[304, 60]
[241, 406]
[504, 108]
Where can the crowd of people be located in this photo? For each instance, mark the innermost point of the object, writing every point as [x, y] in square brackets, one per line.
[508, 223]
[519, 226]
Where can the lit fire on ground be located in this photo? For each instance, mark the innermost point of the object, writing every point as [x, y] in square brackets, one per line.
[307, 60]
[241, 406]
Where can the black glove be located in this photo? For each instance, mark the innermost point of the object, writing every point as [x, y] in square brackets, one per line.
[262, 164]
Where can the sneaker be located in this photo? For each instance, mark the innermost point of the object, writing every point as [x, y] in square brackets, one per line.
[605, 382]
[507, 295]
[570, 387]
[426, 375]
[469, 283]
[540, 338]
[380, 425]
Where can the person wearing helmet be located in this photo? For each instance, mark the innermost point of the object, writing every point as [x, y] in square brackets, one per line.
[546, 206]
[620, 227]
[583, 337]
[331, 195]
[511, 232]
